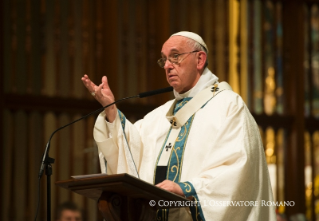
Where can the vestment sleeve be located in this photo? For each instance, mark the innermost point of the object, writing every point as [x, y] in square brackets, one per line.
[234, 170]
[119, 144]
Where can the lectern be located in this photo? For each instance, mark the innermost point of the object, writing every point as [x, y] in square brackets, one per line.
[122, 197]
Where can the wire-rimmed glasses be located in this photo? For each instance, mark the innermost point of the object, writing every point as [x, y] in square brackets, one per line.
[174, 59]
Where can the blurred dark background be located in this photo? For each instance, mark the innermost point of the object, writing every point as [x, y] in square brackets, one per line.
[267, 50]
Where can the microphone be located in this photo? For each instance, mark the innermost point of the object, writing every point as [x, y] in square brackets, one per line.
[158, 91]
[46, 159]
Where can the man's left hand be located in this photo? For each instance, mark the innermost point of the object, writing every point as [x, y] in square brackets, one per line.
[171, 187]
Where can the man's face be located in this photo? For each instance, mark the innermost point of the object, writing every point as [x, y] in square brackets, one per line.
[183, 76]
[70, 215]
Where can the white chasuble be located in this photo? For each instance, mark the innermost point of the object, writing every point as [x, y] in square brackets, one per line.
[217, 159]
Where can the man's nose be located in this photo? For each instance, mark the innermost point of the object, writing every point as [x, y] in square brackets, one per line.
[168, 64]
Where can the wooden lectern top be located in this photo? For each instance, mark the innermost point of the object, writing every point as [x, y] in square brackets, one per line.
[123, 184]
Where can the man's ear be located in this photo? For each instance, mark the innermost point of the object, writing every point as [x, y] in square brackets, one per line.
[201, 60]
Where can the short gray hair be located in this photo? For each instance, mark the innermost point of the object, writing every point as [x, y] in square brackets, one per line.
[197, 46]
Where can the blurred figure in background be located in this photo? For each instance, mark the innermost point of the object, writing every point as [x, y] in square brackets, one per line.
[69, 211]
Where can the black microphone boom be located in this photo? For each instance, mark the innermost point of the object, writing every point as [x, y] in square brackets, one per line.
[47, 161]
[141, 95]
[158, 91]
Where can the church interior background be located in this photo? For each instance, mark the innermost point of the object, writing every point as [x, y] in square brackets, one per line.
[267, 50]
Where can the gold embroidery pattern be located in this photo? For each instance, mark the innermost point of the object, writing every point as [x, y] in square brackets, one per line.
[186, 185]
[180, 168]
[181, 136]
[197, 213]
[175, 166]
[181, 104]
[157, 217]
[169, 162]
[163, 213]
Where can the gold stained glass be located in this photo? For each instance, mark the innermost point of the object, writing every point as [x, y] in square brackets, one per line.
[270, 97]
[271, 158]
[244, 79]
[308, 175]
[233, 46]
[280, 168]
[315, 140]
[270, 146]
[312, 174]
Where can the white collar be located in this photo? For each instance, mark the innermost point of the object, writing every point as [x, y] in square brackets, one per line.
[206, 79]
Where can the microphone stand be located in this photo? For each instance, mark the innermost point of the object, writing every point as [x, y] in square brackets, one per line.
[47, 161]
[48, 173]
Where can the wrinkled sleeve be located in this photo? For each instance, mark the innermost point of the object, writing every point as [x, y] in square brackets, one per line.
[119, 144]
[234, 170]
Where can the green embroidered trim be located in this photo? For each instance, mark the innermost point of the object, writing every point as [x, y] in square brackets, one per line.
[189, 191]
[187, 188]
[122, 118]
[174, 167]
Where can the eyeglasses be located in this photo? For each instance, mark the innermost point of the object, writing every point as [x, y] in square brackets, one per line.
[174, 59]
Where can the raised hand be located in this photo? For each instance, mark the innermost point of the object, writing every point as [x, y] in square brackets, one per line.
[103, 94]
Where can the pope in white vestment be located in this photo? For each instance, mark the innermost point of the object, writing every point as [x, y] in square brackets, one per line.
[217, 157]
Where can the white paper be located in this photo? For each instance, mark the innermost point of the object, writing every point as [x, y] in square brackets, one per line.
[89, 175]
